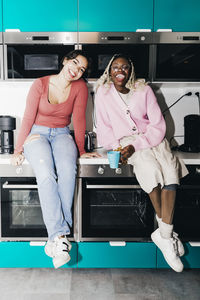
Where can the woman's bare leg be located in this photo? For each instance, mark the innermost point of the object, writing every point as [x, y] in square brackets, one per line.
[155, 197]
[167, 205]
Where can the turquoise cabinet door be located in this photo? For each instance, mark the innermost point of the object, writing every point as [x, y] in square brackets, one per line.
[22, 255]
[40, 15]
[102, 255]
[1, 16]
[108, 15]
[191, 259]
[178, 15]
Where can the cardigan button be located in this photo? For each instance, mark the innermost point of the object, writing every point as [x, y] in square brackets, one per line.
[134, 128]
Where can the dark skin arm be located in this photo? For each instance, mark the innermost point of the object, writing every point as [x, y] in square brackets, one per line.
[126, 152]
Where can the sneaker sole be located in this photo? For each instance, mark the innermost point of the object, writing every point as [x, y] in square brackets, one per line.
[157, 244]
[60, 261]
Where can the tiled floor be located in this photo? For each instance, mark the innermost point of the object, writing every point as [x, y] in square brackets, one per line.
[99, 284]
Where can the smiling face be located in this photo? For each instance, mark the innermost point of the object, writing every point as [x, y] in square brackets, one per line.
[74, 68]
[120, 71]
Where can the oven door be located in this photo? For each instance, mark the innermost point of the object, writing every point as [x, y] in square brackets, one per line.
[21, 215]
[115, 209]
[187, 210]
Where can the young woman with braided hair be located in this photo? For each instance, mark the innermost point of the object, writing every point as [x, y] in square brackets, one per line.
[129, 119]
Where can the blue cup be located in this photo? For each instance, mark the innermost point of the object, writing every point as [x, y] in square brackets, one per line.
[113, 158]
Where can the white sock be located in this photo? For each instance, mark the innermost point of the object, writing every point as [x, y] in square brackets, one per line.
[159, 220]
[166, 230]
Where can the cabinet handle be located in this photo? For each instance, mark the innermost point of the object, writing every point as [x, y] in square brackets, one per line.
[143, 30]
[37, 243]
[112, 186]
[6, 185]
[13, 30]
[117, 244]
[164, 30]
[194, 244]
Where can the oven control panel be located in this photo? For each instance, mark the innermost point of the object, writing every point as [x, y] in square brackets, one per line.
[105, 171]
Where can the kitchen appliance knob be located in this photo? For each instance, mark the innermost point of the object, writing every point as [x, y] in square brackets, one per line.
[100, 171]
[118, 171]
[19, 170]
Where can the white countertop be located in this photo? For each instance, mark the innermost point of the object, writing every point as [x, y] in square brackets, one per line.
[188, 158]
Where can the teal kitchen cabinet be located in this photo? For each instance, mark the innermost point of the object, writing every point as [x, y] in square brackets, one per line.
[108, 15]
[26, 255]
[39, 16]
[1, 17]
[178, 15]
[191, 259]
[103, 255]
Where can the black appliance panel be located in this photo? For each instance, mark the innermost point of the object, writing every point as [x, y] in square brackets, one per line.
[33, 61]
[112, 208]
[100, 55]
[187, 209]
[177, 62]
[21, 215]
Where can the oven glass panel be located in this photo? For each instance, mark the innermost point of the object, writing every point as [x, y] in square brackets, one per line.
[25, 211]
[187, 210]
[116, 212]
[178, 62]
[21, 214]
[101, 54]
[33, 61]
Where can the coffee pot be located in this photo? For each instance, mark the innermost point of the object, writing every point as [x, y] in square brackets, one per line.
[7, 125]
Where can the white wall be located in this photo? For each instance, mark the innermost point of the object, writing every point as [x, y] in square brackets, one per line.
[13, 100]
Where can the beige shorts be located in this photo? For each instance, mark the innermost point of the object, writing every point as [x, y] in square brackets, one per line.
[156, 165]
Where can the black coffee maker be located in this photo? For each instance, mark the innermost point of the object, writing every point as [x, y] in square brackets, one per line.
[7, 125]
[191, 134]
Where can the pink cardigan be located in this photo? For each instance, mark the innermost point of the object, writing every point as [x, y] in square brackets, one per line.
[115, 120]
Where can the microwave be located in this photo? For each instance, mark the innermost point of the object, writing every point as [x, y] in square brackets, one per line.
[101, 46]
[176, 56]
[29, 55]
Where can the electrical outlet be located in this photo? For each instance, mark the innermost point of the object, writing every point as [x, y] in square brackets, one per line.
[188, 93]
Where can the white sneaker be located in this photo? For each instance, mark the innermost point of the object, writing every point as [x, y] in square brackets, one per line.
[49, 248]
[181, 250]
[61, 251]
[169, 250]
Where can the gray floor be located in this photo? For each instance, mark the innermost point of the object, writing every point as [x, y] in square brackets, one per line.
[99, 284]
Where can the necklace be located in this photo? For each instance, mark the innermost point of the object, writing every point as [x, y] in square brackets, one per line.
[127, 96]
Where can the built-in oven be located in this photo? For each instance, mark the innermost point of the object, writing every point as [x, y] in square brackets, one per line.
[187, 210]
[31, 55]
[112, 206]
[21, 215]
[101, 46]
[176, 56]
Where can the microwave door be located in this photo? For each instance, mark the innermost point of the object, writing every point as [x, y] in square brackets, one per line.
[24, 61]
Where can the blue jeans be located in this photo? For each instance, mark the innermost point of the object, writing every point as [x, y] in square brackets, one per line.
[52, 155]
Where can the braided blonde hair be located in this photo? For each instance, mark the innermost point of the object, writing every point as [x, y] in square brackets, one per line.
[131, 84]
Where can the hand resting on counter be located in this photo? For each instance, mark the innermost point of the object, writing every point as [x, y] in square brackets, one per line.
[90, 155]
[17, 159]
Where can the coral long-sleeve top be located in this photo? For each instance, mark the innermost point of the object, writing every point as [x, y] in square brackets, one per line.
[40, 111]
[115, 120]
